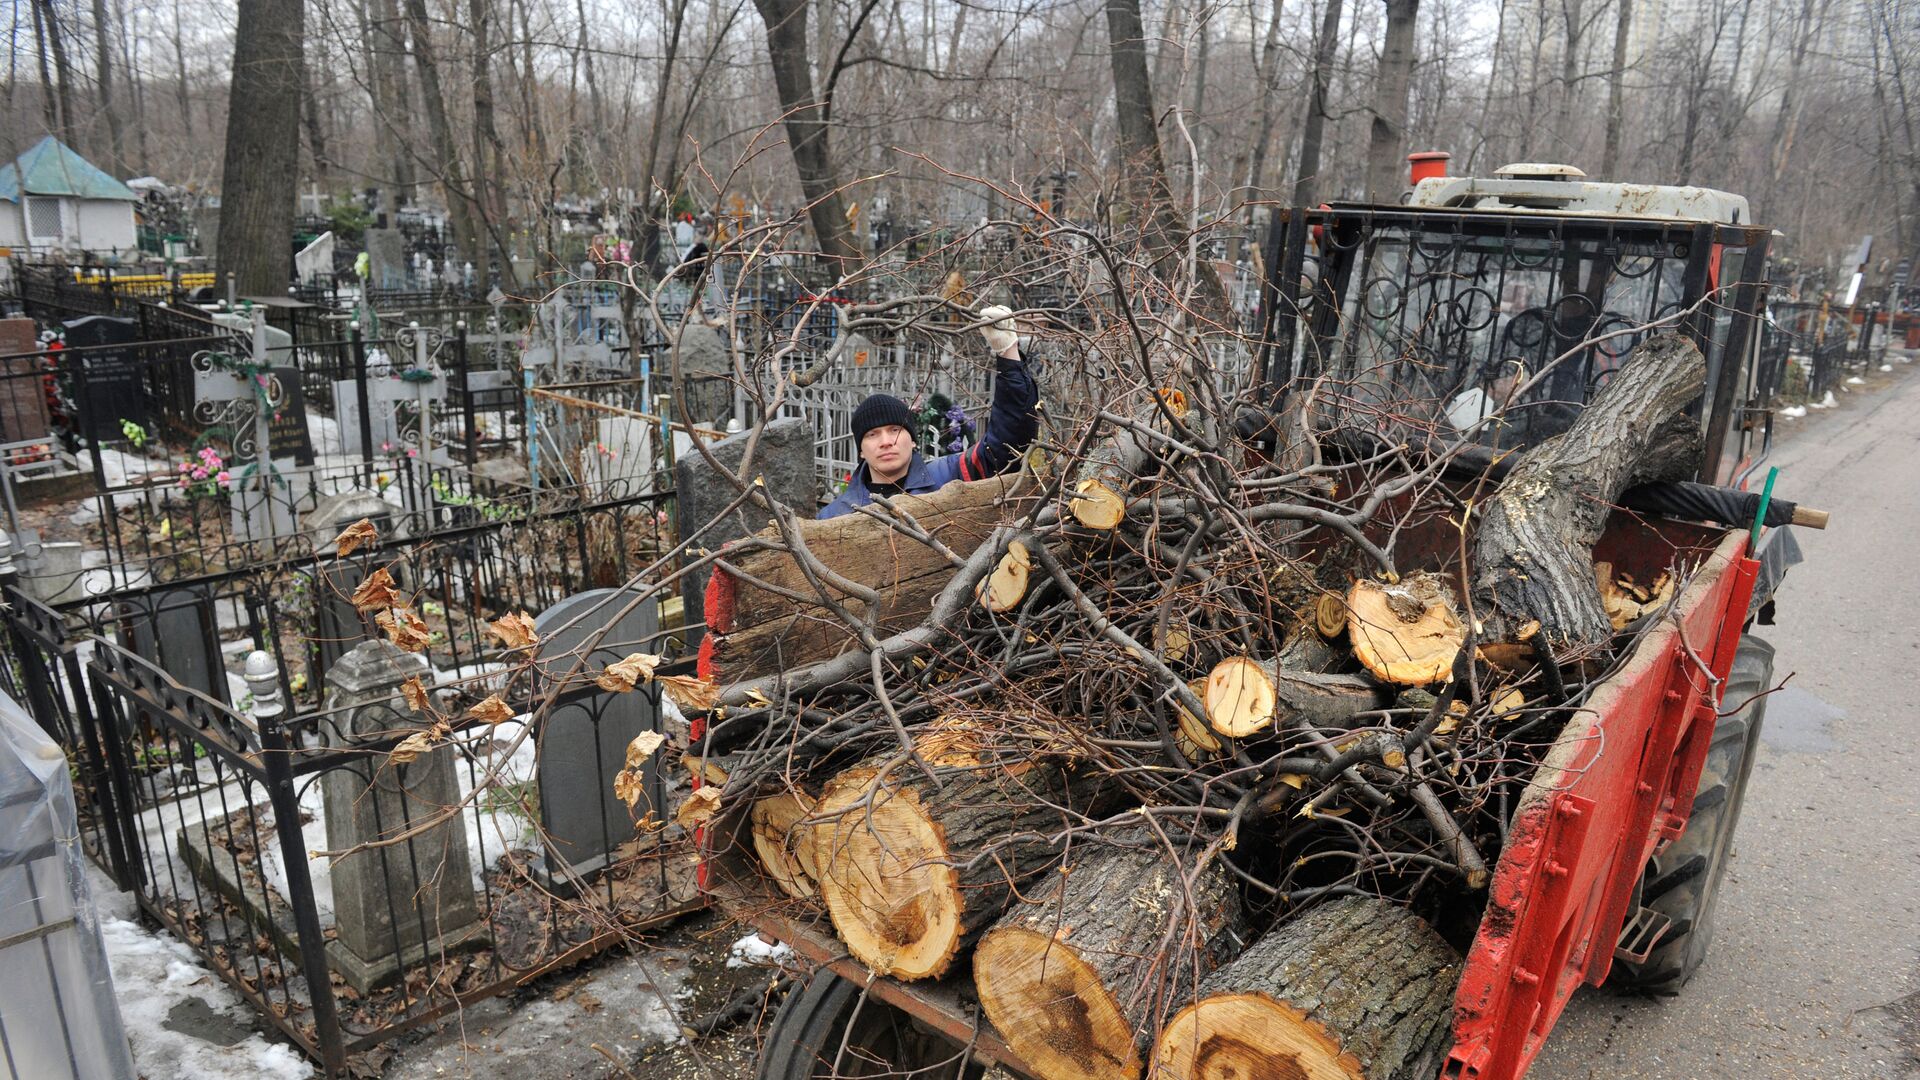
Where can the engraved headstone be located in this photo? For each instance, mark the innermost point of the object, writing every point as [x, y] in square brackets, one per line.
[397, 904]
[178, 630]
[784, 459]
[584, 743]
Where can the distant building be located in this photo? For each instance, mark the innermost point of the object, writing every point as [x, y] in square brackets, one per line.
[52, 199]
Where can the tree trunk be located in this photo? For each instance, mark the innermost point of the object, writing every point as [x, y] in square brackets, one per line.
[316, 136]
[1357, 987]
[807, 128]
[1139, 142]
[1269, 98]
[1533, 553]
[261, 170]
[387, 73]
[62, 71]
[603, 160]
[49, 102]
[1306, 184]
[1079, 978]
[1616, 92]
[1387, 146]
[489, 155]
[104, 66]
[446, 167]
[783, 843]
[911, 873]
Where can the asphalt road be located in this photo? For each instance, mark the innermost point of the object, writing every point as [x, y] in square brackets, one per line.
[1815, 966]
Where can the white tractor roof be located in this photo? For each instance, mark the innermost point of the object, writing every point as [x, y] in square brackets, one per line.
[1563, 189]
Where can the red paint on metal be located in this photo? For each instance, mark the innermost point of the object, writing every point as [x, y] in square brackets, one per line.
[1581, 837]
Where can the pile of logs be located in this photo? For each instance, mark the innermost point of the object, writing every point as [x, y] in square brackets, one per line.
[1186, 756]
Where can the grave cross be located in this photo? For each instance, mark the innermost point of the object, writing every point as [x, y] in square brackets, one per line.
[421, 387]
[241, 393]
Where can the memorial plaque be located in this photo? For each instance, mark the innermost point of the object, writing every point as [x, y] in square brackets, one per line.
[108, 383]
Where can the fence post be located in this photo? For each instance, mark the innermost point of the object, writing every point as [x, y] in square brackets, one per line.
[360, 395]
[306, 918]
[468, 423]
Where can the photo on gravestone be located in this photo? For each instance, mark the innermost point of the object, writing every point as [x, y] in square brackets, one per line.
[178, 630]
[287, 434]
[583, 743]
[107, 385]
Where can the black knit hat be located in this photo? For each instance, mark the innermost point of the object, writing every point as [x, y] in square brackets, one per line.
[878, 411]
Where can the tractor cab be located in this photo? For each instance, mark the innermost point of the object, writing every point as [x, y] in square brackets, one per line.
[1463, 295]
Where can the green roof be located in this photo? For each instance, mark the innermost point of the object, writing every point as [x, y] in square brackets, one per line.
[53, 168]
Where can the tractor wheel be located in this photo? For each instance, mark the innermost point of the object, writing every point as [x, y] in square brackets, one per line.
[808, 1033]
[1683, 882]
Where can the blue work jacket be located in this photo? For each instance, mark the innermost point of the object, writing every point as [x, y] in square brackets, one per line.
[1011, 427]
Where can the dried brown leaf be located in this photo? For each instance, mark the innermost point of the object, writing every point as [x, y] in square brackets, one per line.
[411, 747]
[628, 787]
[688, 692]
[623, 675]
[642, 748]
[354, 536]
[493, 710]
[375, 592]
[416, 694]
[404, 628]
[515, 631]
[699, 807]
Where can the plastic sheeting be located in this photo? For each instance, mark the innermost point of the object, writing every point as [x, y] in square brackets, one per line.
[58, 1016]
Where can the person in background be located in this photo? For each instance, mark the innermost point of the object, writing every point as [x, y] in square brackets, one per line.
[883, 430]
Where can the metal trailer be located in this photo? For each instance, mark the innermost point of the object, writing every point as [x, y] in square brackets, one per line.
[1617, 848]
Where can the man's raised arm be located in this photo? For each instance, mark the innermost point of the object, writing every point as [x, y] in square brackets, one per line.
[1012, 423]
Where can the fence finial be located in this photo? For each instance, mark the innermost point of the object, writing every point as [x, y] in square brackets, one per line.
[262, 677]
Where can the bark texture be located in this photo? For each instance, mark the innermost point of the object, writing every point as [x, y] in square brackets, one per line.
[806, 124]
[1356, 988]
[1534, 548]
[1081, 976]
[1387, 138]
[262, 160]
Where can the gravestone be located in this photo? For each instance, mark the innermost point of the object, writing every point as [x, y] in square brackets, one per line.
[333, 513]
[494, 391]
[387, 258]
[583, 744]
[707, 370]
[784, 458]
[346, 406]
[23, 400]
[108, 384]
[287, 434]
[178, 630]
[396, 905]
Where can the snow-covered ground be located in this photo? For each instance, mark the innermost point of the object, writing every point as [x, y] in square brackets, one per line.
[181, 1019]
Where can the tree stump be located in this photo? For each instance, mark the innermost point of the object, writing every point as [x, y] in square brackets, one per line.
[902, 868]
[1243, 696]
[1355, 988]
[1076, 978]
[1533, 551]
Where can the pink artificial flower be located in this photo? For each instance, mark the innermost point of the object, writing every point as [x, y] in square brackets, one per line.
[411, 452]
[199, 474]
[223, 476]
[185, 465]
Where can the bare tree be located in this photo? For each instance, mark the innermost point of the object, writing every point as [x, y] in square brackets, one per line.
[804, 115]
[1388, 140]
[1306, 184]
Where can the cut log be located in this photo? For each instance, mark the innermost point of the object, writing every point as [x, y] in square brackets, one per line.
[783, 843]
[1003, 589]
[899, 859]
[1355, 988]
[1078, 979]
[1533, 551]
[1407, 632]
[1243, 696]
[1104, 480]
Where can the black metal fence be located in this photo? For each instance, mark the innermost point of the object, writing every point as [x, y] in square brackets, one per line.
[207, 776]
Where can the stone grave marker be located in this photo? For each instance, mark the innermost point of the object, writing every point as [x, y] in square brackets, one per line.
[395, 905]
[178, 630]
[621, 457]
[584, 744]
[346, 406]
[784, 457]
[109, 382]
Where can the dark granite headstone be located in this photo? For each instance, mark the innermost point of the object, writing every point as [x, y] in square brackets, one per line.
[584, 743]
[287, 433]
[108, 384]
[178, 630]
[784, 458]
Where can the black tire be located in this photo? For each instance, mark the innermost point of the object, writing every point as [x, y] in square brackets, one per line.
[806, 1035]
[1683, 882]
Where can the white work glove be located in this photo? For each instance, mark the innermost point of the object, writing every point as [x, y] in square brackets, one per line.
[1002, 339]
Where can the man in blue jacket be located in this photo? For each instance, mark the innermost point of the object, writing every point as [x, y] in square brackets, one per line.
[883, 429]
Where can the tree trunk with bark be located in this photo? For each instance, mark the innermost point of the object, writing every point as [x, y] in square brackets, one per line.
[807, 128]
[1616, 91]
[447, 166]
[1358, 987]
[1306, 184]
[62, 70]
[1533, 552]
[261, 169]
[103, 66]
[1386, 147]
[1079, 978]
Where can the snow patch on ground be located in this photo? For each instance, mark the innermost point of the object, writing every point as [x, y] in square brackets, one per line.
[1793, 412]
[1827, 402]
[1886, 367]
[1855, 380]
[153, 974]
[752, 951]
